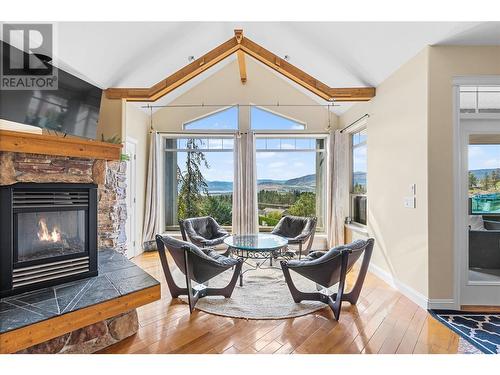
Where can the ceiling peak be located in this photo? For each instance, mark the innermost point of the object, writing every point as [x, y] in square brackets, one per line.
[241, 45]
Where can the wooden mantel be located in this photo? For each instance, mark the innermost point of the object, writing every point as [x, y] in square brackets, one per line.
[53, 145]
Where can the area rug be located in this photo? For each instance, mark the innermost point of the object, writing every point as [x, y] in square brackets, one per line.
[264, 295]
[481, 330]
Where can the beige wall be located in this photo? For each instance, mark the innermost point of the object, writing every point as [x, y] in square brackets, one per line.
[111, 118]
[262, 87]
[397, 158]
[137, 127]
[447, 62]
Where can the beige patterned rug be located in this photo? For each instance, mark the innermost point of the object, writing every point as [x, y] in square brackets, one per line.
[264, 295]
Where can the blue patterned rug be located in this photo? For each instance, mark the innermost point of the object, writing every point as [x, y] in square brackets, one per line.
[480, 329]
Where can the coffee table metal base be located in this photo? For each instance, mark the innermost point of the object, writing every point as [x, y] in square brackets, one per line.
[262, 255]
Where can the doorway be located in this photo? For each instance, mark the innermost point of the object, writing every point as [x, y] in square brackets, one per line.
[131, 227]
[478, 200]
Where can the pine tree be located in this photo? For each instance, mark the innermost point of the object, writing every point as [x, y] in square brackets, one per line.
[193, 184]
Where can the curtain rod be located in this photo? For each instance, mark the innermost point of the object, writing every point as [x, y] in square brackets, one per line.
[355, 122]
[237, 105]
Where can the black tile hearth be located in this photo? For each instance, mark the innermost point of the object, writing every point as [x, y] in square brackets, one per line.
[118, 276]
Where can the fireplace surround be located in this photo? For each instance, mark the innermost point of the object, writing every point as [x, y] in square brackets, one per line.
[48, 235]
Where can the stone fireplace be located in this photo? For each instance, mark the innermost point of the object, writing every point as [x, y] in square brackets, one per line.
[65, 205]
[109, 176]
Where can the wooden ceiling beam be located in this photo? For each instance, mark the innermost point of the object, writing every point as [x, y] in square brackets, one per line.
[238, 34]
[240, 45]
[177, 79]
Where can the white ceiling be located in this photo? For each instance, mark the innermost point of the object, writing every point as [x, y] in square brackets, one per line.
[139, 54]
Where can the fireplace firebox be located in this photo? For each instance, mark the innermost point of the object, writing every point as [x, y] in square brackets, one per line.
[48, 235]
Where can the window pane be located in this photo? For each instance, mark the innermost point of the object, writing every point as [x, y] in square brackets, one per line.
[468, 101]
[261, 119]
[207, 189]
[215, 144]
[304, 143]
[223, 120]
[359, 169]
[290, 182]
[484, 178]
[488, 99]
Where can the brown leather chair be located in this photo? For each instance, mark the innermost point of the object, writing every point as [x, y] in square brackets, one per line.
[328, 268]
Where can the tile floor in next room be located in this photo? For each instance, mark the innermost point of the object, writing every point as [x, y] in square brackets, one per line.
[383, 321]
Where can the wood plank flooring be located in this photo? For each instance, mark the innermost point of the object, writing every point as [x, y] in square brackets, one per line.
[383, 321]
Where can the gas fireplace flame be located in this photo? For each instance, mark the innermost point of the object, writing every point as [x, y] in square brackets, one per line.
[45, 235]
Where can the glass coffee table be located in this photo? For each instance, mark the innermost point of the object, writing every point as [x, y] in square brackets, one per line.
[261, 246]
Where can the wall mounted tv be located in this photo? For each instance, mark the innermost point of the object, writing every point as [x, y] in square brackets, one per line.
[71, 109]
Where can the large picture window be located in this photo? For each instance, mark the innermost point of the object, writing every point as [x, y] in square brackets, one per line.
[358, 176]
[290, 178]
[198, 179]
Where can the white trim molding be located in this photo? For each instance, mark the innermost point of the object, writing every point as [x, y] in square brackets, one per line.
[408, 291]
[441, 304]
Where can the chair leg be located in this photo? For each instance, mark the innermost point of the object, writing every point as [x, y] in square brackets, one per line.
[353, 295]
[297, 295]
[193, 295]
[227, 291]
[300, 249]
[175, 290]
[334, 300]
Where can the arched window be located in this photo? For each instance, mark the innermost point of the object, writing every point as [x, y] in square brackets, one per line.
[261, 119]
[225, 119]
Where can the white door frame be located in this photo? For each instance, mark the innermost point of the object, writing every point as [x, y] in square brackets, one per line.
[460, 160]
[132, 182]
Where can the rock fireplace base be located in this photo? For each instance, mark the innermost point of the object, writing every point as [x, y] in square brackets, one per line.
[90, 339]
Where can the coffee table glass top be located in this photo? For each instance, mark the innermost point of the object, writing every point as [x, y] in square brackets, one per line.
[256, 242]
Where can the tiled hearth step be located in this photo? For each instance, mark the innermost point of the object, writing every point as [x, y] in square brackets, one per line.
[119, 287]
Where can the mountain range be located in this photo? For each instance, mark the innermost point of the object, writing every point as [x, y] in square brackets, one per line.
[303, 183]
[480, 173]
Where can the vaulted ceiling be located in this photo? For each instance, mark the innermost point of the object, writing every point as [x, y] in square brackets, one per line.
[351, 54]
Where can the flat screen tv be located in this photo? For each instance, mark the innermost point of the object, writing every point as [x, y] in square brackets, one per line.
[71, 109]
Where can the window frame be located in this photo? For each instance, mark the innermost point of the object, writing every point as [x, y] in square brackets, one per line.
[352, 194]
[296, 134]
[162, 176]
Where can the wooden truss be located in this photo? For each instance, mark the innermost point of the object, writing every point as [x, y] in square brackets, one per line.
[241, 46]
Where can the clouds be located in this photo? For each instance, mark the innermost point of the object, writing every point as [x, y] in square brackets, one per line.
[484, 157]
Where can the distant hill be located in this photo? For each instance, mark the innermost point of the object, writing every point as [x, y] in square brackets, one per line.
[303, 183]
[480, 173]
[359, 178]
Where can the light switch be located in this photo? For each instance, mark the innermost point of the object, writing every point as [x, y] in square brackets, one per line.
[409, 202]
[413, 189]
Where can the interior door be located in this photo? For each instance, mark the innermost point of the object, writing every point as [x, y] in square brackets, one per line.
[480, 212]
[131, 227]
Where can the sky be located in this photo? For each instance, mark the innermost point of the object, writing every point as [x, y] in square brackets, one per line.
[484, 157]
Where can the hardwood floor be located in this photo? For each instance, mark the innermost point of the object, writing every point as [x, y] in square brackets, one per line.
[383, 321]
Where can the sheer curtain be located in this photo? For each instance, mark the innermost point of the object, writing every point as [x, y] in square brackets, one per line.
[244, 185]
[338, 203]
[152, 210]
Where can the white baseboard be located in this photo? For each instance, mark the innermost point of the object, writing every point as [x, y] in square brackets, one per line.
[409, 292]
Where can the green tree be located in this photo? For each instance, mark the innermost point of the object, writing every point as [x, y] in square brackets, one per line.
[192, 183]
[304, 206]
[472, 181]
[219, 208]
